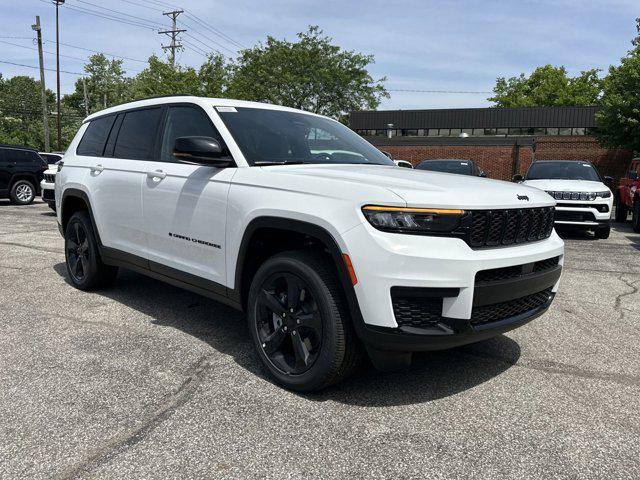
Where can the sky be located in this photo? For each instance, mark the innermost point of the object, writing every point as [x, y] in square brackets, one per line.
[456, 45]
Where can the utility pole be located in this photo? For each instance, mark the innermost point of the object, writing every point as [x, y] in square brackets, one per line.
[58, 3]
[86, 96]
[173, 34]
[43, 88]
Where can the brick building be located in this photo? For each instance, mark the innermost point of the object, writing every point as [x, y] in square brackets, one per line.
[503, 141]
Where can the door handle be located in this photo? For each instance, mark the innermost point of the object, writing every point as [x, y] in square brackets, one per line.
[156, 175]
[97, 168]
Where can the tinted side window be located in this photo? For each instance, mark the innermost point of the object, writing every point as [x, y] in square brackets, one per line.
[92, 143]
[138, 134]
[22, 156]
[184, 122]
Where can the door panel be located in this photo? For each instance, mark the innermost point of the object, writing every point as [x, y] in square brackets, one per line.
[185, 218]
[6, 170]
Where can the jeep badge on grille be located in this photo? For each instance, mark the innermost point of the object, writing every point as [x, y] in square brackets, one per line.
[523, 197]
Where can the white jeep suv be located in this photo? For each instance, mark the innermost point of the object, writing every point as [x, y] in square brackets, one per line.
[330, 249]
[583, 200]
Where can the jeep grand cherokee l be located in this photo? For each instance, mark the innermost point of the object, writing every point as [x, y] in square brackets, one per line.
[331, 250]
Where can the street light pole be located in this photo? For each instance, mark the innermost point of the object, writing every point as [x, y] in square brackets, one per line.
[58, 3]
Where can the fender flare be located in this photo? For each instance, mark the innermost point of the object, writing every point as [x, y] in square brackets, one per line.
[306, 228]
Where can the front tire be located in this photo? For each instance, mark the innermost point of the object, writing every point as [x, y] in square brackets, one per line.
[84, 265]
[603, 233]
[22, 192]
[635, 219]
[299, 322]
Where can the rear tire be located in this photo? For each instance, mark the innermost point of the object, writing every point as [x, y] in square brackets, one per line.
[603, 233]
[635, 219]
[621, 211]
[84, 265]
[22, 192]
[299, 322]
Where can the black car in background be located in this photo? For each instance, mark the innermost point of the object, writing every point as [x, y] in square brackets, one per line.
[452, 165]
[21, 170]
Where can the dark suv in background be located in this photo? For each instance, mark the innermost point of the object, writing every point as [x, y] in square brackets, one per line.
[21, 170]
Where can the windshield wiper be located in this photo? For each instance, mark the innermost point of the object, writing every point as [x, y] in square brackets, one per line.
[284, 162]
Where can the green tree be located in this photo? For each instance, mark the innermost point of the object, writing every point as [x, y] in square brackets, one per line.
[214, 77]
[21, 111]
[619, 119]
[311, 74]
[107, 85]
[548, 86]
[161, 78]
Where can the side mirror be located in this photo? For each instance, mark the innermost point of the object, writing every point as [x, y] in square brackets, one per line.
[200, 151]
[633, 175]
[483, 174]
[518, 178]
[607, 179]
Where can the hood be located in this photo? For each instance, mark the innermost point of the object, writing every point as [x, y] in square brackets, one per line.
[555, 185]
[421, 188]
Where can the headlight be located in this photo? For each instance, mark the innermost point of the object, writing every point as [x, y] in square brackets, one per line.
[413, 220]
[606, 194]
[60, 164]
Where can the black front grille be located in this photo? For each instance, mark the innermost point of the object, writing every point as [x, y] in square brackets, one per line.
[49, 178]
[48, 194]
[515, 271]
[492, 228]
[500, 311]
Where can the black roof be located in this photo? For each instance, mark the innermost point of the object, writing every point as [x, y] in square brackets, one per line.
[17, 147]
[523, 117]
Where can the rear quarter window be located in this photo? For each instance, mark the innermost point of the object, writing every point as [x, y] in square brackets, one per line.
[95, 136]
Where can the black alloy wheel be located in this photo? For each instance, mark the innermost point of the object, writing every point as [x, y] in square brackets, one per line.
[289, 323]
[84, 266]
[77, 248]
[299, 321]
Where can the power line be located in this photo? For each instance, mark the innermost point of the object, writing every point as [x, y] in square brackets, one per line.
[45, 51]
[98, 51]
[214, 30]
[208, 47]
[87, 11]
[120, 13]
[210, 39]
[37, 68]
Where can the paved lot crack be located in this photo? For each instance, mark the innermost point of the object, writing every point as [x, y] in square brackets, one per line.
[32, 247]
[620, 296]
[130, 437]
[558, 368]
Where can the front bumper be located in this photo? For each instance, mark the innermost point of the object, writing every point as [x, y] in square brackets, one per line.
[584, 214]
[445, 268]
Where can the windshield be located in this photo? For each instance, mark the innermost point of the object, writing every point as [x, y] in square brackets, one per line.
[568, 170]
[274, 136]
[460, 167]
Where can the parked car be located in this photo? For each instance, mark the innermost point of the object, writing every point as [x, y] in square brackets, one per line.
[21, 170]
[51, 158]
[583, 200]
[47, 186]
[327, 254]
[628, 196]
[403, 163]
[450, 165]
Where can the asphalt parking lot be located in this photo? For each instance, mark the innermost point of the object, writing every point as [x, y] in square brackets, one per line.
[144, 380]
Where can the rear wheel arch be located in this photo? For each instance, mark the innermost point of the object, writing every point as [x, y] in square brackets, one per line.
[24, 176]
[74, 200]
[285, 234]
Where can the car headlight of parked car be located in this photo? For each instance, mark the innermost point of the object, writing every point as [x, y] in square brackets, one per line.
[413, 220]
[579, 195]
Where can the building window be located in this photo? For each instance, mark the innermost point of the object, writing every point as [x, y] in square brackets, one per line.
[515, 131]
[380, 132]
[432, 132]
[539, 131]
[410, 132]
[490, 131]
[454, 132]
[590, 130]
[502, 131]
[578, 131]
[564, 131]
[552, 131]
[468, 131]
[478, 132]
[444, 132]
